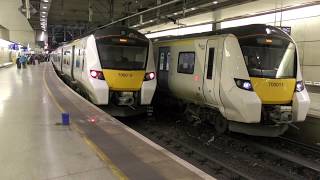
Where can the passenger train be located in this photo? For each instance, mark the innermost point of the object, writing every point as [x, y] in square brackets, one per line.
[111, 66]
[250, 75]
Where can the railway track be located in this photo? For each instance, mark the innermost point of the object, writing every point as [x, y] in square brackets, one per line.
[224, 157]
[297, 160]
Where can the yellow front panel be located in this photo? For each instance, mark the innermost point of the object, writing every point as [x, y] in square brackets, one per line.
[274, 91]
[124, 80]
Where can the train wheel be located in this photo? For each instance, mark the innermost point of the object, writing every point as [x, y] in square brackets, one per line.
[220, 124]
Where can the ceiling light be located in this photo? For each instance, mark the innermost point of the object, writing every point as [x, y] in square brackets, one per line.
[43, 12]
[43, 16]
[215, 2]
[193, 9]
[46, 1]
[45, 7]
[175, 13]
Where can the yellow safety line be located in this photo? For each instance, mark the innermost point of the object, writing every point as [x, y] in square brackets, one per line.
[115, 170]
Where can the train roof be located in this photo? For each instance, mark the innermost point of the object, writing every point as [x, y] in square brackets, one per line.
[108, 31]
[118, 31]
[240, 31]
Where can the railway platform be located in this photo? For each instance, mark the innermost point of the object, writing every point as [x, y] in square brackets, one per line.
[95, 146]
[4, 65]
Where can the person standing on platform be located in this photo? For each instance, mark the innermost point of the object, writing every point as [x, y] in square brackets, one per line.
[18, 62]
[23, 60]
[32, 59]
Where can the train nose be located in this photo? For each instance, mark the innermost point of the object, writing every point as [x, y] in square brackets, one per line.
[124, 98]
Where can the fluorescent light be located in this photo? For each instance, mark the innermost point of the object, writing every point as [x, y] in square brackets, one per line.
[43, 16]
[44, 12]
[46, 1]
[215, 2]
[45, 7]
[182, 31]
[288, 15]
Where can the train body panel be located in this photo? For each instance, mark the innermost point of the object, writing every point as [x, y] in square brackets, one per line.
[239, 105]
[110, 66]
[251, 74]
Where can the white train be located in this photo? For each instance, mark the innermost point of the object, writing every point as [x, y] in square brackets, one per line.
[250, 74]
[112, 66]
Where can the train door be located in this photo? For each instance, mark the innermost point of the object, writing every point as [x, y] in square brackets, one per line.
[209, 73]
[61, 60]
[77, 64]
[163, 67]
[72, 62]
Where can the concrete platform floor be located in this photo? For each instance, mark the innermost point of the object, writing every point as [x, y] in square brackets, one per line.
[32, 145]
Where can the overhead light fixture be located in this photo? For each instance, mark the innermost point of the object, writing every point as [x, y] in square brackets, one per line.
[215, 2]
[175, 13]
[44, 12]
[46, 1]
[43, 16]
[45, 7]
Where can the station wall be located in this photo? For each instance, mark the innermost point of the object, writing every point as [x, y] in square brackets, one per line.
[4, 55]
[306, 34]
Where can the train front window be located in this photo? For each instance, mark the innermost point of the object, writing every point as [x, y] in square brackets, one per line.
[269, 57]
[124, 57]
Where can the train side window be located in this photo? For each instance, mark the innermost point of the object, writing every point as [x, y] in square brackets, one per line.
[210, 63]
[186, 62]
[83, 54]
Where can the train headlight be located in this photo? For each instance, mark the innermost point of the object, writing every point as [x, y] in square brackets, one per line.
[97, 74]
[244, 84]
[149, 76]
[299, 86]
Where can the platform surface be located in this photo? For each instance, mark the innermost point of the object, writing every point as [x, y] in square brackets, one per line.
[35, 146]
[32, 145]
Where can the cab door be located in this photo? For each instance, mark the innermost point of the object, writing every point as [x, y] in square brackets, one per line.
[163, 67]
[209, 72]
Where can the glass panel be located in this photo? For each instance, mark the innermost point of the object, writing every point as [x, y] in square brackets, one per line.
[270, 58]
[186, 62]
[210, 63]
[122, 57]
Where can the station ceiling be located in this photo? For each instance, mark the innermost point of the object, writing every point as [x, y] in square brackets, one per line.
[67, 19]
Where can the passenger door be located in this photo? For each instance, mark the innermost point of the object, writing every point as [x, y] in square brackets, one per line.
[209, 72]
[163, 67]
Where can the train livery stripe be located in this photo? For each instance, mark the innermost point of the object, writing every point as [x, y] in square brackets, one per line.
[188, 42]
[124, 80]
[274, 91]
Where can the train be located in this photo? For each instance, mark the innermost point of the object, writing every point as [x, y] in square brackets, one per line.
[111, 66]
[243, 79]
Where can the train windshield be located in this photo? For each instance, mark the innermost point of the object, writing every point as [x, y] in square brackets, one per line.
[124, 56]
[269, 57]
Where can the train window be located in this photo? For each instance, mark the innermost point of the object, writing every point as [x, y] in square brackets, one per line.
[186, 62]
[210, 63]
